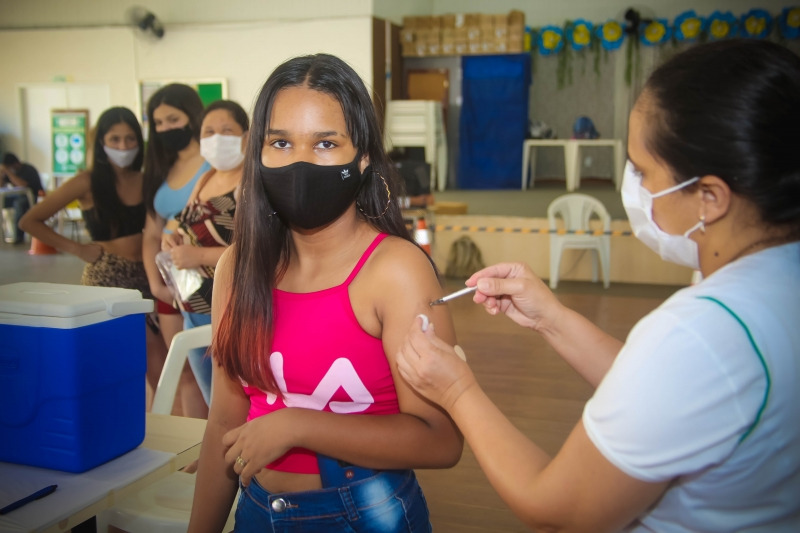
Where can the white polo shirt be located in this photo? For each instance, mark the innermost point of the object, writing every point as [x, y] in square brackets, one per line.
[706, 392]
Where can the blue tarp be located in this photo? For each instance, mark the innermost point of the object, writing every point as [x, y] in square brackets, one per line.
[494, 120]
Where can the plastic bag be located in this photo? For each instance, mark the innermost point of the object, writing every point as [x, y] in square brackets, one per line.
[182, 283]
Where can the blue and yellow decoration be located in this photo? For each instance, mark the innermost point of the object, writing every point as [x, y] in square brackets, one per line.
[756, 24]
[610, 34]
[722, 26]
[688, 27]
[789, 22]
[551, 40]
[655, 32]
[579, 34]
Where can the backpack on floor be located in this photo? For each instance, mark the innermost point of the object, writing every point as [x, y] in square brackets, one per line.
[464, 259]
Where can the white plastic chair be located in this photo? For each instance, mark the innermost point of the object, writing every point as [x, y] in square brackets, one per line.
[419, 123]
[576, 211]
[166, 505]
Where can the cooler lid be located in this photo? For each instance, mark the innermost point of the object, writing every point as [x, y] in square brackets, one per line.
[62, 305]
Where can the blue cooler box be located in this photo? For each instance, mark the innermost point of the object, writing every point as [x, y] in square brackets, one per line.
[72, 374]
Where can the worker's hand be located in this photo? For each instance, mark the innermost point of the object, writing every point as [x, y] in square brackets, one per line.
[513, 289]
[432, 367]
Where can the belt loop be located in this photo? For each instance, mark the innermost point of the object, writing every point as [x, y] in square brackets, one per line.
[347, 502]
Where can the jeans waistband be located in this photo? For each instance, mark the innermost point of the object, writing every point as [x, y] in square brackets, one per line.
[349, 499]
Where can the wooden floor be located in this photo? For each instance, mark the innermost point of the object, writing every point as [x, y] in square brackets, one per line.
[539, 393]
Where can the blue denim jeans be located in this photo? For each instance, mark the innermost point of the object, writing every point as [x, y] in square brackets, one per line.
[388, 502]
[201, 363]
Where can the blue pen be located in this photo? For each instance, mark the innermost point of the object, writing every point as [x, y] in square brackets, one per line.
[28, 499]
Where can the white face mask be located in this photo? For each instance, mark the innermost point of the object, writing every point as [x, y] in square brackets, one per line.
[121, 158]
[223, 152]
[638, 203]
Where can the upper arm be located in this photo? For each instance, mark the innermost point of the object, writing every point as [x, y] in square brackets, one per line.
[229, 399]
[405, 285]
[76, 188]
[223, 280]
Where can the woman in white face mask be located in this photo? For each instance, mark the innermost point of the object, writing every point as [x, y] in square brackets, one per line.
[694, 422]
[109, 195]
[206, 223]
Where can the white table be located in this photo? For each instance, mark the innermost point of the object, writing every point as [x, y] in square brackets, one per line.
[171, 442]
[571, 148]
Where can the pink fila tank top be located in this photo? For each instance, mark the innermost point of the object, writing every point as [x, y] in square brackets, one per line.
[323, 360]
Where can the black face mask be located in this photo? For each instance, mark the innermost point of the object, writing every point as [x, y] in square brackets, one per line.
[176, 139]
[309, 196]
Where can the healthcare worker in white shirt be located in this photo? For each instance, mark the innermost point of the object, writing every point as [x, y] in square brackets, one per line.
[695, 421]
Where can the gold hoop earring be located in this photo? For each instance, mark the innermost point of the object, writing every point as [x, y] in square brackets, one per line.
[388, 200]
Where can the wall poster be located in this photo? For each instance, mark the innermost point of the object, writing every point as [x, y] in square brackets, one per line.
[69, 134]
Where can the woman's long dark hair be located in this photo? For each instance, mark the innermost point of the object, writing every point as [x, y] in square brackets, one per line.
[262, 242]
[103, 179]
[158, 158]
[731, 109]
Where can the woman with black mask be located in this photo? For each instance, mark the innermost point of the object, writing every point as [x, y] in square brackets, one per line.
[172, 166]
[310, 304]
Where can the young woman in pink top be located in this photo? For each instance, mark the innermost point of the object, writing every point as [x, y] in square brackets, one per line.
[310, 306]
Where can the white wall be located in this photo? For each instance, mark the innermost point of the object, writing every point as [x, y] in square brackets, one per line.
[242, 53]
[83, 13]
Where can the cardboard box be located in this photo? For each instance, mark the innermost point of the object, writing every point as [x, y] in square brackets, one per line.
[407, 35]
[485, 21]
[410, 22]
[409, 49]
[73, 368]
[448, 21]
[516, 18]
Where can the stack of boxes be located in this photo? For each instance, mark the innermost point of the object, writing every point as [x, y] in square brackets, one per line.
[463, 34]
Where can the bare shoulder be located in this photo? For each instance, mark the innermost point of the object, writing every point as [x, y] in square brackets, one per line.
[396, 259]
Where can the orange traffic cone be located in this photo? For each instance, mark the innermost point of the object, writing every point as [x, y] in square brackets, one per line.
[37, 246]
[423, 236]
